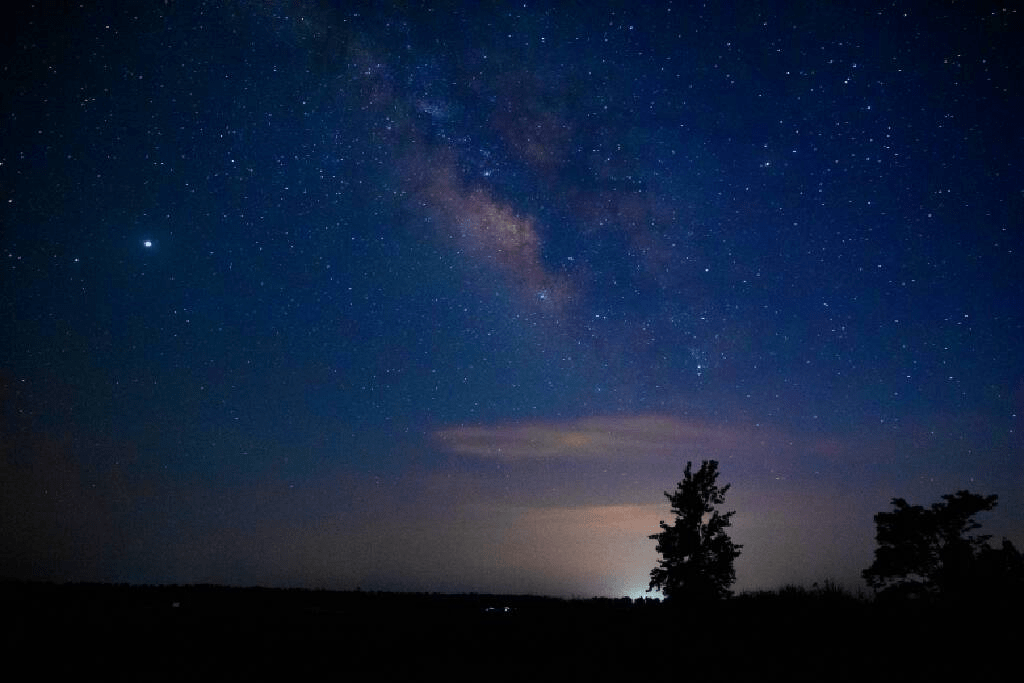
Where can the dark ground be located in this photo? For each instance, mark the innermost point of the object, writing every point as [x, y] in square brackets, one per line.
[211, 632]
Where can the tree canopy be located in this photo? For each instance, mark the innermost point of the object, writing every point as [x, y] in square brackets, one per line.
[696, 552]
[931, 551]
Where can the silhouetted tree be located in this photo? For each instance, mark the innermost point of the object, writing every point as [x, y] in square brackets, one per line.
[930, 551]
[696, 553]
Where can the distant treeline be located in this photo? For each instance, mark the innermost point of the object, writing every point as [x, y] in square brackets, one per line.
[819, 633]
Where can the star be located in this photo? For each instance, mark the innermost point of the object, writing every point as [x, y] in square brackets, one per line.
[148, 244]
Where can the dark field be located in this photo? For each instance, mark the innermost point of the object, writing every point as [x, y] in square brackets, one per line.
[210, 632]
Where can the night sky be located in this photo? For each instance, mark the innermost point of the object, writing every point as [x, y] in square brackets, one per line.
[442, 297]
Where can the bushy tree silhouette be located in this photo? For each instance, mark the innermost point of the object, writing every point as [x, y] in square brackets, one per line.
[930, 551]
[696, 553]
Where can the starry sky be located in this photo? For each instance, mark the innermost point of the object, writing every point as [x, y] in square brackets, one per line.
[443, 296]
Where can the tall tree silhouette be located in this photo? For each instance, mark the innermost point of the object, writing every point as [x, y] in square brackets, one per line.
[930, 551]
[696, 553]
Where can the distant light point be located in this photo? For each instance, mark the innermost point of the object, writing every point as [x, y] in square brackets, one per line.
[148, 244]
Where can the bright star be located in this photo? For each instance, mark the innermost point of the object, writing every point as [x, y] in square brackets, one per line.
[148, 244]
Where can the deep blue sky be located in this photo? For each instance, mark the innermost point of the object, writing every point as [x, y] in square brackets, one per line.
[401, 297]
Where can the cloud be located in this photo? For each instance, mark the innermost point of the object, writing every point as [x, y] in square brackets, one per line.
[597, 437]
